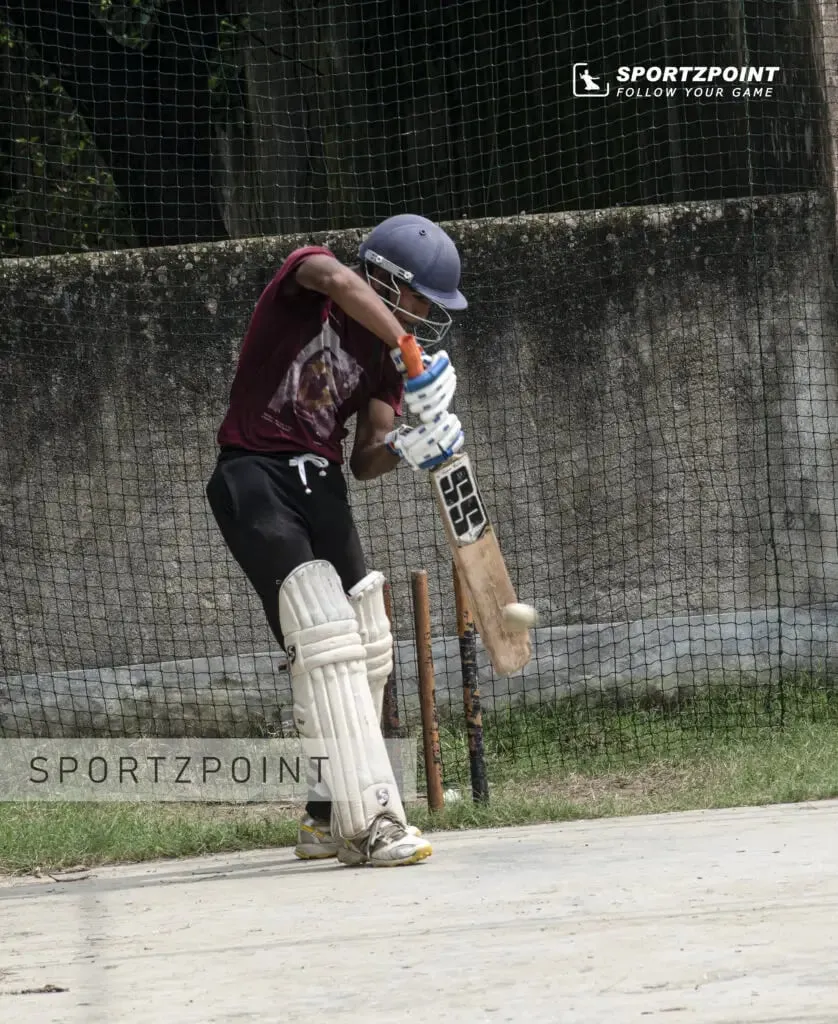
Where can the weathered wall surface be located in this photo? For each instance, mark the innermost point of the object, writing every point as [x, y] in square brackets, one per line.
[649, 395]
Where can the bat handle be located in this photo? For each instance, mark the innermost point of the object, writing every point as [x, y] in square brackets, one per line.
[412, 355]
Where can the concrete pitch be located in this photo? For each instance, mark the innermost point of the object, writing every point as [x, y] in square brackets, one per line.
[728, 917]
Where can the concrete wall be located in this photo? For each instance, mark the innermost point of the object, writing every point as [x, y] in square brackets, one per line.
[649, 395]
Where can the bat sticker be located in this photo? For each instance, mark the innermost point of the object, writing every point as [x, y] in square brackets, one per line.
[461, 500]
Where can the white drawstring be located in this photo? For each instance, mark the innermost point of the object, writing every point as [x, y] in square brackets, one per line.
[300, 462]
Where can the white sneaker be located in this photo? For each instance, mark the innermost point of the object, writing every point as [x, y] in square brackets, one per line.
[315, 840]
[389, 844]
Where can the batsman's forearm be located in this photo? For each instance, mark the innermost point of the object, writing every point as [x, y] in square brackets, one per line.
[359, 301]
[373, 461]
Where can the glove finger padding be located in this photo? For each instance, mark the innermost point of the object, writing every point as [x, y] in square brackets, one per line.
[430, 394]
[429, 445]
[434, 403]
[444, 433]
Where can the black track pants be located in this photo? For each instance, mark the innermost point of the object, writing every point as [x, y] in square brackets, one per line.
[271, 525]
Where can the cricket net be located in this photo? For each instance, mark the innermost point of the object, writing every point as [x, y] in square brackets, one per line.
[642, 197]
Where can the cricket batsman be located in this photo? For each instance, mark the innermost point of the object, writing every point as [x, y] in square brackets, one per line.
[322, 346]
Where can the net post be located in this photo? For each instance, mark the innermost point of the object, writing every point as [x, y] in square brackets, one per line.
[427, 693]
[467, 634]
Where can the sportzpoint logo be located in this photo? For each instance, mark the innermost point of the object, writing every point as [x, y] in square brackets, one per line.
[586, 84]
[693, 81]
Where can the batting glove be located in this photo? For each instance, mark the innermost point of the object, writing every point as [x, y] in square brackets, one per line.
[429, 445]
[429, 394]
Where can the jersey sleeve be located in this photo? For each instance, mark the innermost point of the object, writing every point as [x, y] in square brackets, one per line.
[296, 258]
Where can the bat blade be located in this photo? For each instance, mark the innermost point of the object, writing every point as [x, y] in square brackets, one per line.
[480, 563]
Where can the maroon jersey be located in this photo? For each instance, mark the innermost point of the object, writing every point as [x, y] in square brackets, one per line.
[304, 368]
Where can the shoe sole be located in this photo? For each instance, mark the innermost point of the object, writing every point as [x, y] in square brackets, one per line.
[414, 859]
[305, 855]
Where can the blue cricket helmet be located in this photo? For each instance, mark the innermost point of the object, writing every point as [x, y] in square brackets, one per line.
[417, 252]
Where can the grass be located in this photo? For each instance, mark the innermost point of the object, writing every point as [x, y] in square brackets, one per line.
[723, 747]
[44, 837]
[638, 731]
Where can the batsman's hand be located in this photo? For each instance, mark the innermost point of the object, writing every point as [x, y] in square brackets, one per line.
[429, 394]
[429, 445]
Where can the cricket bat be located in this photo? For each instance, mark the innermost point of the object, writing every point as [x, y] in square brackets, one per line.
[474, 548]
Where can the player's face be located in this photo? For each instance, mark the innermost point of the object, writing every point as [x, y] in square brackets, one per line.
[412, 306]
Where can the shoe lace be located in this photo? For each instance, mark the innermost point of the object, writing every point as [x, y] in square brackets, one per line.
[384, 827]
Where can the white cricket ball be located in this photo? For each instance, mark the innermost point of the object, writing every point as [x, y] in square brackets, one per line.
[519, 616]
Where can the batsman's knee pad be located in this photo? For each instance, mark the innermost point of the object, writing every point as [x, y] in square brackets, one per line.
[332, 699]
[367, 598]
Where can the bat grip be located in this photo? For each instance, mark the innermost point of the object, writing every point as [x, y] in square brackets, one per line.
[412, 355]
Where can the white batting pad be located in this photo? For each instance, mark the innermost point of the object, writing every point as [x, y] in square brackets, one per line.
[332, 699]
[367, 598]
